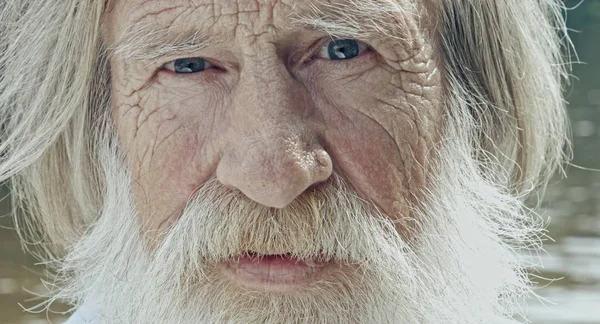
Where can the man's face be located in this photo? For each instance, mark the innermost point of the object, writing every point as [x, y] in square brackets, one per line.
[271, 107]
[291, 162]
[280, 175]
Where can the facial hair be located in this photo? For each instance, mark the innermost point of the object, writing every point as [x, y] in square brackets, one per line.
[460, 264]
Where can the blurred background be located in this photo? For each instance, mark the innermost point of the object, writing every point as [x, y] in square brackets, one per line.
[573, 205]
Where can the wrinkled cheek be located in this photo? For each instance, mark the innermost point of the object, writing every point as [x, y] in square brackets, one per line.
[383, 147]
[397, 178]
[159, 154]
[166, 179]
[168, 141]
[380, 171]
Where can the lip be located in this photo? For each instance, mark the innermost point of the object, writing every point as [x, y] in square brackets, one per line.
[274, 272]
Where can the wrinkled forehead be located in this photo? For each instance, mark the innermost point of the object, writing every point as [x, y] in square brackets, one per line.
[229, 19]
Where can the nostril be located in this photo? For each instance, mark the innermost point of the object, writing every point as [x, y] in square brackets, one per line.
[323, 158]
[324, 166]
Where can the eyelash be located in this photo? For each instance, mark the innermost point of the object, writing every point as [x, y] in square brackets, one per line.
[309, 59]
[313, 58]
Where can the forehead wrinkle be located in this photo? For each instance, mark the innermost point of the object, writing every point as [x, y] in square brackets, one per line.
[147, 39]
[337, 18]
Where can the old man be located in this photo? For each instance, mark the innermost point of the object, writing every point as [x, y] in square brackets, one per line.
[275, 161]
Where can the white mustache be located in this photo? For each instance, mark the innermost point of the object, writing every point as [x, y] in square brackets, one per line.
[328, 223]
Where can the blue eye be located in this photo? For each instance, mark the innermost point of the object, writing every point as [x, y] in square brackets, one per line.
[188, 65]
[342, 49]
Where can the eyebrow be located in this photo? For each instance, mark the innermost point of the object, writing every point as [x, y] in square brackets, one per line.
[146, 41]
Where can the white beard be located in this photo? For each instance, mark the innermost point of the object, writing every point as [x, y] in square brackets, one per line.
[457, 268]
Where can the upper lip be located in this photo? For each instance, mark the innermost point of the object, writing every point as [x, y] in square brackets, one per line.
[317, 257]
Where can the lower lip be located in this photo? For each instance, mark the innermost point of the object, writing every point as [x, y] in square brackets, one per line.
[274, 271]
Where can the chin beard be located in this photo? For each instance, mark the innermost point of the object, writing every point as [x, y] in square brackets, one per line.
[461, 264]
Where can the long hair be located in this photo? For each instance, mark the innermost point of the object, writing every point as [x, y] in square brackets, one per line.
[505, 60]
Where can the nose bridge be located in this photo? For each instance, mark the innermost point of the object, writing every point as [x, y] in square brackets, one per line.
[268, 91]
[273, 154]
[270, 111]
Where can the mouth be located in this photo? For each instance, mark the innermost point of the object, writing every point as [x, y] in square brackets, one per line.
[274, 272]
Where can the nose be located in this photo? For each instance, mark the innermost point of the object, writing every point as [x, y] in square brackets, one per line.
[272, 153]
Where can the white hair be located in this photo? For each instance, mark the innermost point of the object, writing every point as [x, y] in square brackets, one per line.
[504, 64]
[53, 84]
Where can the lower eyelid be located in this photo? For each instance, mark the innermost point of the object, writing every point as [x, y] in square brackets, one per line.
[364, 61]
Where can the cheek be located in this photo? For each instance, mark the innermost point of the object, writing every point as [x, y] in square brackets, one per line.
[166, 133]
[380, 131]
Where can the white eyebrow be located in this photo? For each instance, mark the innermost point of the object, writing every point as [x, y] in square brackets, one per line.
[147, 42]
[366, 19]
